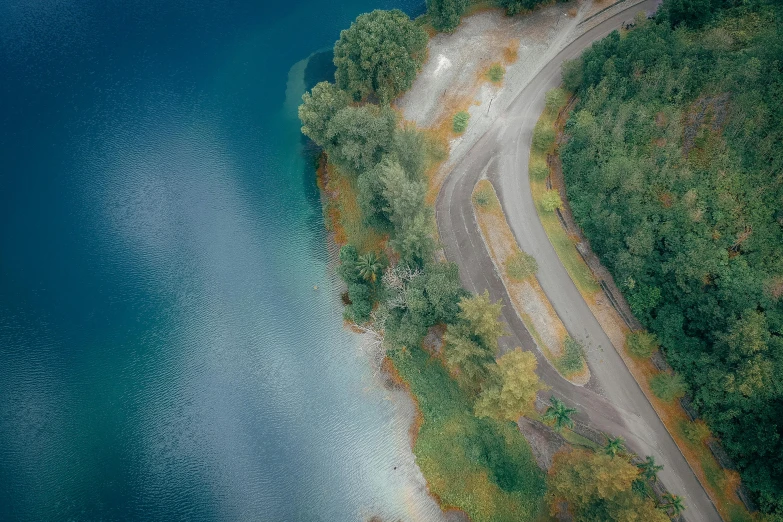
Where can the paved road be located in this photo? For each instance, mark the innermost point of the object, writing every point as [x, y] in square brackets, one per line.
[612, 401]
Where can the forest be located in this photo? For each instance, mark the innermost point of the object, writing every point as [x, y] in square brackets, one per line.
[673, 160]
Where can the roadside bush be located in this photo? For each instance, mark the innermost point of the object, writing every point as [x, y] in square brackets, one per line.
[460, 122]
[520, 266]
[539, 171]
[484, 196]
[572, 359]
[496, 73]
[695, 432]
[572, 74]
[668, 387]
[555, 98]
[551, 201]
[641, 344]
[543, 137]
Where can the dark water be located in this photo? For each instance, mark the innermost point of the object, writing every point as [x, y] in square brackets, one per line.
[163, 353]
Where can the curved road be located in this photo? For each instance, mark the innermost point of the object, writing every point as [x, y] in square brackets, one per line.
[612, 401]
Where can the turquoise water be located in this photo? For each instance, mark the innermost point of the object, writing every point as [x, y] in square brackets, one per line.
[163, 352]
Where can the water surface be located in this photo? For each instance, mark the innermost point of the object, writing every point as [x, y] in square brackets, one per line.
[163, 352]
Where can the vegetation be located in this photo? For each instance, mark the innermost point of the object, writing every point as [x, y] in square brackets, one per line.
[673, 167]
[520, 266]
[445, 15]
[543, 137]
[641, 344]
[496, 73]
[559, 414]
[460, 122]
[555, 98]
[598, 486]
[513, 7]
[668, 387]
[572, 360]
[551, 201]
[380, 55]
[512, 392]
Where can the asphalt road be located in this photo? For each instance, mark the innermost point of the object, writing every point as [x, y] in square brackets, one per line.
[612, 402]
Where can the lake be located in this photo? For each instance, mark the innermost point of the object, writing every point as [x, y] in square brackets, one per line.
[171, 337]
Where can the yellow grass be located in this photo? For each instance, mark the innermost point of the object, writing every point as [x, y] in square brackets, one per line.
[527, 296]
[720, 484]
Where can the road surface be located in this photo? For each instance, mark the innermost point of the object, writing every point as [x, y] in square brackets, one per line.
[612, 402]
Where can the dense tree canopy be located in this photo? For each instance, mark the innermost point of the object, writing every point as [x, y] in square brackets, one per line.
[446, 14]
[379, 54]
[674, 170]
[318, 108]
[512, 393]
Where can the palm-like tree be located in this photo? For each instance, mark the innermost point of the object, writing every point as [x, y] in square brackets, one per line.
[673, 504]
[560, 414]
[368, 266]
[614, 446]
[649, 469]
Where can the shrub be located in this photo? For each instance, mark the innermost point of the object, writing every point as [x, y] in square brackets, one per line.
[572, 74]
[539, 171]
[543, 137]
[520, 266]
[555, 98]
[484, 197]
[668, 387]
[572, 359]
[496, 73]
[641, 344]
[460, 122]
[551, 200]
[695, 432]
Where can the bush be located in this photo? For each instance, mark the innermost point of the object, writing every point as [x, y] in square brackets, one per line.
[496, 73]
[543, 137]
[460, 122]
[539, 171]
[551, 201]
[555, 99]
[641, 344]
[520, 266]
[695, 432]
[572, 359]
[572, 74]
[446, 14]
[668, 387]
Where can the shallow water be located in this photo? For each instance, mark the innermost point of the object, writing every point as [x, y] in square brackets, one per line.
[163, 351]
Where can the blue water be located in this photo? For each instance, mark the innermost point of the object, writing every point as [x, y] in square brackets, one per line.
[163, 352]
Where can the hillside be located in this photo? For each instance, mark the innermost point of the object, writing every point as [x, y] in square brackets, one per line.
[674, 169]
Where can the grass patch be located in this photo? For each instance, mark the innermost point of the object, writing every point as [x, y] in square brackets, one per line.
[460, 122]
[520, 266]
[496, 72]
[563, 244]
[572, 361]
[481, 466]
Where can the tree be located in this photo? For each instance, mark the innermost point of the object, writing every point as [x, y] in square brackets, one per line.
[599, 488]
[446, 14]
[514, 393]
[649, 469]
[460, 122]
[467, 359]
[614, 446]
[358, 137]
[559, 414]
[318, 108]
[641, 344]
[673, 504]
[555, 98]
[380, 54]
[369, 266]
[483, 318]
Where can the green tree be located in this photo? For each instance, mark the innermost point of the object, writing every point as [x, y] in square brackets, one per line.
[369, 266]
[673, 504]
[614, 446]
[649, 470]
[598, 487]
[460, 122]
[641, 344]
[513, 394]
[467, 359]
[555, 98]
[521, 265]
[543, 136]
[380, 54]
[358, 137]
[483, 318]
[318, 108]
[446, 14]
[559, 414]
